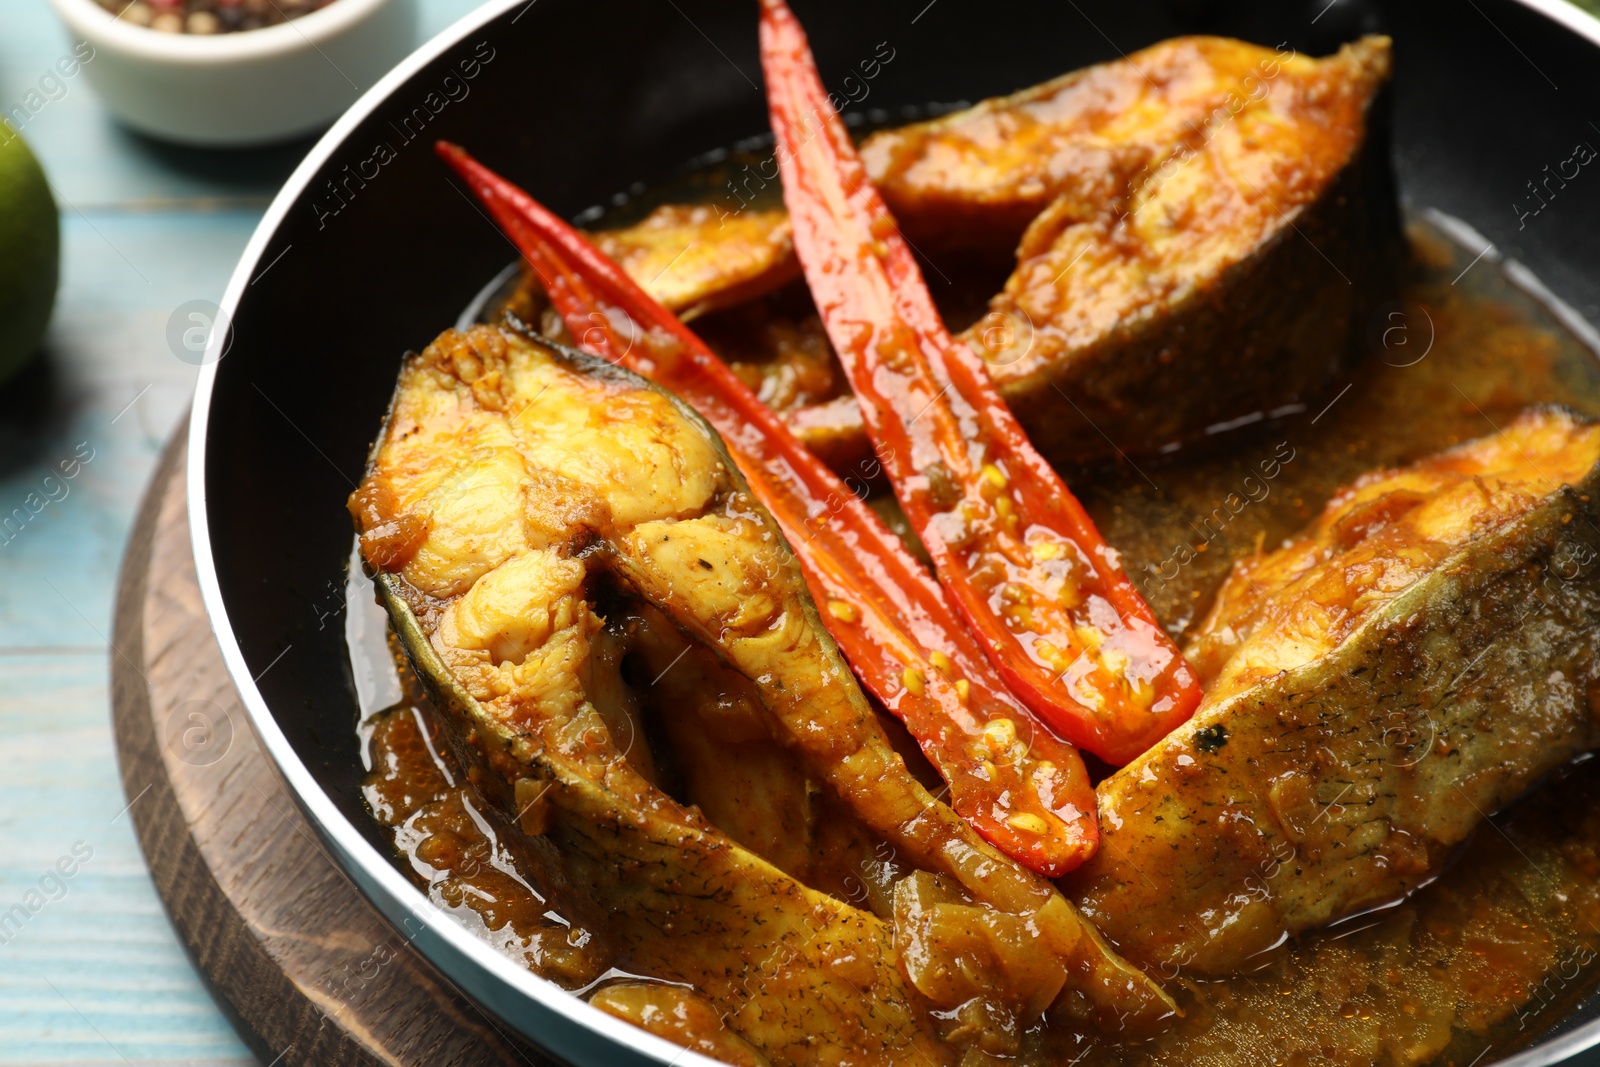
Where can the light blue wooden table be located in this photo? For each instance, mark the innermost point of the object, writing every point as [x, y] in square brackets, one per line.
[97, 975]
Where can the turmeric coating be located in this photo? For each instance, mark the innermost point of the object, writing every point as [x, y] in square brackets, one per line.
[1202, 210]
[1473, 958]
[1420, 657]
[639, 767]
[578, 520]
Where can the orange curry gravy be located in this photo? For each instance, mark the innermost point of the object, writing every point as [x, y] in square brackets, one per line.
[1477, 964]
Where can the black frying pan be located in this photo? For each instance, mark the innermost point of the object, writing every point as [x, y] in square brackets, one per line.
[371, 251]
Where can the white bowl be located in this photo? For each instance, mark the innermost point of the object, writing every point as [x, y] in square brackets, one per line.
[245, 88]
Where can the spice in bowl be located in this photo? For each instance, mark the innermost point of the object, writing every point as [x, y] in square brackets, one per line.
[206, 17]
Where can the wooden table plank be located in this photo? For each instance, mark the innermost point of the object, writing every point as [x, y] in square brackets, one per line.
[94, 975]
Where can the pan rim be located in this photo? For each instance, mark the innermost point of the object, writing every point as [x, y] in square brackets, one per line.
[377, 878]
[372, 872]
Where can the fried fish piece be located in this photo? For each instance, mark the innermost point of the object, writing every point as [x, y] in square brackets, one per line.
[1418, 658]
[979, 176]
[1212, 249]
[1204, 227]
[678, 1015]
[523, 502]
[694, 258]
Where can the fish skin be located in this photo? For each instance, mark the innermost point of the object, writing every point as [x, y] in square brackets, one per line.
[766, 949]
[657, 874]
[1180, 265]
[802, 975]
[1345, 782]
[1156, 306]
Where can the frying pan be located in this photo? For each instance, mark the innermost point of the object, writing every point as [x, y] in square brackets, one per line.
[371, 249]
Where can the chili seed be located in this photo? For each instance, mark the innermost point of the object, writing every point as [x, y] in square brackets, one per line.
[1070, 597]
[843, 611]
[1028, 823]
[1001, 732]
[1090, 637]
[1046, 550]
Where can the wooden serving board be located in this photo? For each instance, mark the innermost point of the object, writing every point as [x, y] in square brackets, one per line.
[309, 972]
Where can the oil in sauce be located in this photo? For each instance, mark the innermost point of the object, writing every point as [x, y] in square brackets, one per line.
[1478, 964]
[457, 854]
[1448, 361]
[1484, 960]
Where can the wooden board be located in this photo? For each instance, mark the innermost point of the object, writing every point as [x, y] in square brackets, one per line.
[309, 971]
[98, 978]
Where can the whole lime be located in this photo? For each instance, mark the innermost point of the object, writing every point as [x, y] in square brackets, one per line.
[30, 253]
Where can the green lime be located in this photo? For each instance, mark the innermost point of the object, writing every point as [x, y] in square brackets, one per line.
[30, 253]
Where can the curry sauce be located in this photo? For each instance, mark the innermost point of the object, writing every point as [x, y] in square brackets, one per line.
[1478, 963]
[1487, 957]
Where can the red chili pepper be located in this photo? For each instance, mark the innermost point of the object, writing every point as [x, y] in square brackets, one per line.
[1058, 618]
[1021, 787]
